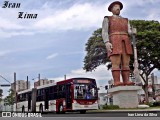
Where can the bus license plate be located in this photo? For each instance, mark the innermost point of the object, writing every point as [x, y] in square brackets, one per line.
[86, 106]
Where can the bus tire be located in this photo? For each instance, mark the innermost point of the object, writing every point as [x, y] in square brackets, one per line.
[41, 108]
[60, 110]
[82, 111]
[23, 109]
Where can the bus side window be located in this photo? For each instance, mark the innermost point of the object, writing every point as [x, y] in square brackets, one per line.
[51, 89]
[55, 92]
[20, 97]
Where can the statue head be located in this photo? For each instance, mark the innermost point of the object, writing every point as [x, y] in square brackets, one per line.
[115, 7]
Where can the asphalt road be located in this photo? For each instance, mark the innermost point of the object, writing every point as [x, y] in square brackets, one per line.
[94, 116]
[106, 114]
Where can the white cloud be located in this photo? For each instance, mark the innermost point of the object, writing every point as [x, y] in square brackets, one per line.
[52, 56]
[3, 53]
[79, 16]
[154, 14]
[74, 53]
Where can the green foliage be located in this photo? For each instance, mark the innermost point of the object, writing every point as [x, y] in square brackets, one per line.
[150, 104]
[110, 107]
[96, 51]
[154, 104]
[148, 41]
[10, 98]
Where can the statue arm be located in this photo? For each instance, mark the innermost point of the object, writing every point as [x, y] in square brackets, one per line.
[105, 35]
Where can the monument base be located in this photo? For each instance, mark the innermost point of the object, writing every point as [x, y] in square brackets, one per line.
[125, 96]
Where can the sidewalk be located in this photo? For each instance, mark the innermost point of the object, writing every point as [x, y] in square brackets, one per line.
[124, 110]
[127, 110]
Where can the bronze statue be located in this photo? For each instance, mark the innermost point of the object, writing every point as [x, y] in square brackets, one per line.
[115, 32]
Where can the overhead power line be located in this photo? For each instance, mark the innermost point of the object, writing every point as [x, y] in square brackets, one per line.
[5, 79]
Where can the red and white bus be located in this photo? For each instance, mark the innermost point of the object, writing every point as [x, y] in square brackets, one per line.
[75, 94]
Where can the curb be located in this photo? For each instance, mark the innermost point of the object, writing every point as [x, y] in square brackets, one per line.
[117, 110]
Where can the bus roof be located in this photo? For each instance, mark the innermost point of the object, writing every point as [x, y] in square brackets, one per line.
[78, 78]
[24, 91]
[83, 78]
[46, 85]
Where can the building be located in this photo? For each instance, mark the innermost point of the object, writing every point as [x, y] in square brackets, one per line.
[157, 91]
[152, 79]
[42, 82]
[102, 100]
[20, 85]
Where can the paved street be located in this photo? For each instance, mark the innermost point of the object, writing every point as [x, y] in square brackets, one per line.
[133, 113]
[104, 113]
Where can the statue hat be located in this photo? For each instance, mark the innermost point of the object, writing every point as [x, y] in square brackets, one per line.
[113, 3]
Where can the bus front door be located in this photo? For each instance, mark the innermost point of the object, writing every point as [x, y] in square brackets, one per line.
[68, 96]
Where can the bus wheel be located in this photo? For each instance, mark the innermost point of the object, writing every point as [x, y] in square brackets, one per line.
[61, 109]
[23, 109]
[41, 108]
[82, 111]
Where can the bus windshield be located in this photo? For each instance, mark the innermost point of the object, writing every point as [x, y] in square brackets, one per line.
[84, 90]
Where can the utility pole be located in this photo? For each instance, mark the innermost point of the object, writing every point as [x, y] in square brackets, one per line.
[153, 88]
[15, 91]
[27, 82]
[39, 77]
[64, 77]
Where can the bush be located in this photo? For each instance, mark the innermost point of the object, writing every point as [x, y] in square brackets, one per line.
[110, 107]
[150, 104]
[154, 104]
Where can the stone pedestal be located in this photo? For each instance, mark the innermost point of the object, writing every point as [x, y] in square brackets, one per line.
[125, 96]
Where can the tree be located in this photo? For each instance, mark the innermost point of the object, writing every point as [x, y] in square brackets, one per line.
[148, 41]
[1, 91]
[10, 98]
[96, 52]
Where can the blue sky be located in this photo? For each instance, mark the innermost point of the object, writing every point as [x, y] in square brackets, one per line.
[54, 43]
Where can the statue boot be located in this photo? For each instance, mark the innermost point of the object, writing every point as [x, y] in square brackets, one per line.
[116, 77]
[125, 76]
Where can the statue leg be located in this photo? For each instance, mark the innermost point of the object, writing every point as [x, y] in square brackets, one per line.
[125, 75]
[115, 60]
[125, 67]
